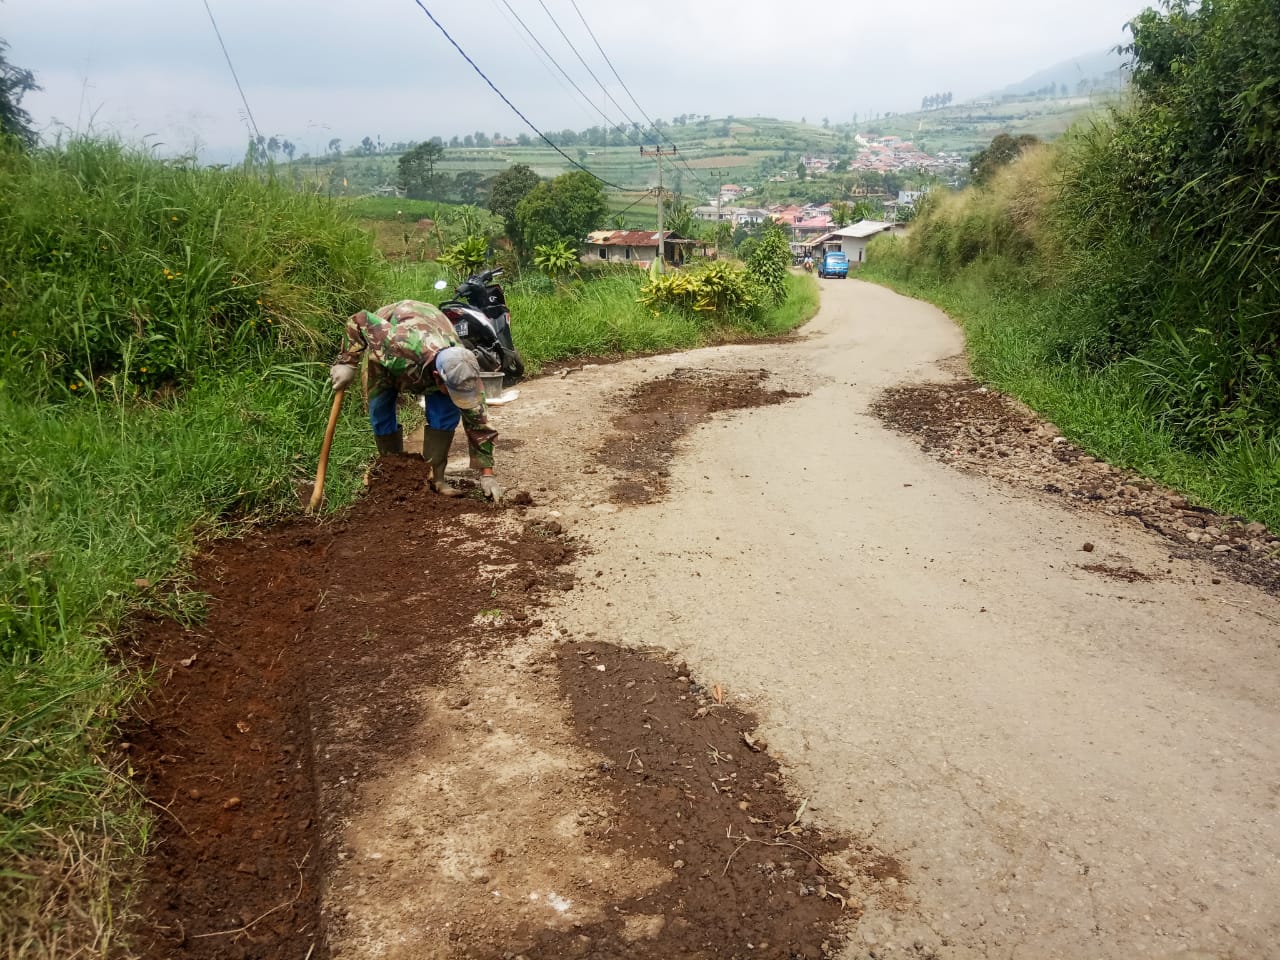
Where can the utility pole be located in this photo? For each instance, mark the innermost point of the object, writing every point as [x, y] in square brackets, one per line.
[719, 175]
[658, 153]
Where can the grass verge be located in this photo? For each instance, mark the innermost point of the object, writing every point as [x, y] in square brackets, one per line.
[603, 315]
[162, 381]
[114, 497]
[166, 331]
[1106, 411]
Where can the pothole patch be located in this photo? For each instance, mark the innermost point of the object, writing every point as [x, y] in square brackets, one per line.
[656, 414]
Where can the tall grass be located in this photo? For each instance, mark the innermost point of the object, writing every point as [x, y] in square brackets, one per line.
[147, 400]
[115, 264]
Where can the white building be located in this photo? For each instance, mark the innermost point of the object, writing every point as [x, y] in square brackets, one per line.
[852, 240]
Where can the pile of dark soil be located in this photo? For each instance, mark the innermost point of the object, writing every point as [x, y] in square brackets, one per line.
[975, 428]
[263, 720]
[697, 792]
[304, 619]
[658, 413]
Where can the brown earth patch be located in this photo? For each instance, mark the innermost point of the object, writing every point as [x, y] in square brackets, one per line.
[1112, 572]
[372, 745]
[695, 791]
[310, 627]
[656, 414]
[976, 428]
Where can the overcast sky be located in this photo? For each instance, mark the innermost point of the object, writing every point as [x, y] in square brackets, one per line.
[321, 69]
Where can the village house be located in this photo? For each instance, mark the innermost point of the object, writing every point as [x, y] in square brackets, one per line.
[749, 216]
[852, 240]
[638, 247]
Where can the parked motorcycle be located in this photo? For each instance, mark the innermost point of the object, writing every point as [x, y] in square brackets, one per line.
[482, 320]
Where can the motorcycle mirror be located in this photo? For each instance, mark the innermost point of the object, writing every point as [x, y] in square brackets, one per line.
[440, 285]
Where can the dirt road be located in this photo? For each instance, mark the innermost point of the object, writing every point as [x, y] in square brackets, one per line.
[1065, 765]
[1024, 705]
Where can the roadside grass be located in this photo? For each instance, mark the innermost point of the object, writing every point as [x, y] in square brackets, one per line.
[603, 315]
[116, 263]
[1105, 410]
[111, 498]
[165, 335]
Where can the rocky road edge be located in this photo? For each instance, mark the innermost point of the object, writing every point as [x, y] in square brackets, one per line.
[975, 428]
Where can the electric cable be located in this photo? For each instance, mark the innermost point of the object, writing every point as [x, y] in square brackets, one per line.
[646, 193]
[502, 96]
[657, 133]
[591, 33]
[534, 50]
[565, 37]
[243, 99]
[586, 99]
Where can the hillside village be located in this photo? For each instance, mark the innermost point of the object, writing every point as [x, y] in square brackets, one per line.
[813, 228]
[875, 155]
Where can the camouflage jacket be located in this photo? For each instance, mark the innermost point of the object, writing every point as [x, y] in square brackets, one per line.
[401, 341]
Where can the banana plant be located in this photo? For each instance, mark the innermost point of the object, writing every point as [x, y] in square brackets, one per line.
[467, 256]
[555, 259]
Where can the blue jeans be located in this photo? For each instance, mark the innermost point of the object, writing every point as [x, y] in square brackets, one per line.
[442, 414]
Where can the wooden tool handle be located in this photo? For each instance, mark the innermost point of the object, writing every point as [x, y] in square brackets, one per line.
[317, 494]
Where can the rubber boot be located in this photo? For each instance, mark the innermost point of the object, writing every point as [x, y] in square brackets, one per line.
[435, 450]
[389, 443]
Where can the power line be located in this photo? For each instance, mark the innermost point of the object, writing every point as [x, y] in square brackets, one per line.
[534, 50]
[607, 119]
[657, 133]
[591, 33]
[639, 199]
[243, 99]
[565, 37]
[514, 109]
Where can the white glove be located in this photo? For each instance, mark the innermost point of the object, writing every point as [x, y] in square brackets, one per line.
[342, 375]
[489, 484]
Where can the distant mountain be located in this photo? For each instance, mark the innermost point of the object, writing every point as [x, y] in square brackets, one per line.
[1079, 74]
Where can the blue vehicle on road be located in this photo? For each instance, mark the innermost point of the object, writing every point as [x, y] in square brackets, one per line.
[834, 264]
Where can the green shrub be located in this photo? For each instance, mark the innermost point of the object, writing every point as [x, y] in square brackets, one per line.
[555, 259]
[768, 262]
[466, 256]
[718, 287]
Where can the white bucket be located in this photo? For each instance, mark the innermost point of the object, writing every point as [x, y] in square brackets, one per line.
[492, 385]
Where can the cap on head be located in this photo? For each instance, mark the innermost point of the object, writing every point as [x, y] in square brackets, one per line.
[461, 375]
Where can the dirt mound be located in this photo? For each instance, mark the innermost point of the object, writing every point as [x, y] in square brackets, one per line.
[975, 428]
[658, 413]
[311, 627]
[696, 792]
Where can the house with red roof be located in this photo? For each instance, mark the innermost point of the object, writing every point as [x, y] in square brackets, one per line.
[638, 247]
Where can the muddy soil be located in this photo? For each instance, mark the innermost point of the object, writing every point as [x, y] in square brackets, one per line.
[982, 430]
[655, 415]
[696, 791]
